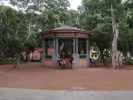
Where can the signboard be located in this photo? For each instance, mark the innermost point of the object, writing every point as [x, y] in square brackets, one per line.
[50, 51]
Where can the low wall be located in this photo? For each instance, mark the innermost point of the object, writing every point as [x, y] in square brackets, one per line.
[82, 63]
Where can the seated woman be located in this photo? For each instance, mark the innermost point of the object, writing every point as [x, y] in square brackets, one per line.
[65, 60]
[61, 60]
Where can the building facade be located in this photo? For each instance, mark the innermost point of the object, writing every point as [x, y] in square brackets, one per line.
[68, 39]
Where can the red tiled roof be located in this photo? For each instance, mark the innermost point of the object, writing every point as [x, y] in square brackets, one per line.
[66, 30]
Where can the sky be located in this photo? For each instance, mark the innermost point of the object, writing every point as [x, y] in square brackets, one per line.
[74, 3]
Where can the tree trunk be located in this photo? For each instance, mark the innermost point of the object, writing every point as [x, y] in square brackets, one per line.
[29, 31]
[115, 38]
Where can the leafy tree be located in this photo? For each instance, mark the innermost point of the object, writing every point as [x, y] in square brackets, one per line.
[105, 20]
[10, 42]
[21, 28]
[13, 33]
[72, 18]
[97, 21]
[55, 13]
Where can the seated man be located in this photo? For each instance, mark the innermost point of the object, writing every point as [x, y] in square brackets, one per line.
[69, 56]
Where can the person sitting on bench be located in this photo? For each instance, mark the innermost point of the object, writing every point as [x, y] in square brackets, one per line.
[61, 61]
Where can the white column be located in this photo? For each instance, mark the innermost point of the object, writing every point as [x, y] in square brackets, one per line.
[57, 48]
[74, 44]
[43, 46]
[74, 50]
[87, 52]
[75, 53]
[54, 53]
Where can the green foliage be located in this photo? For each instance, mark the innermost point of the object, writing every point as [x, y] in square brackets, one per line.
[6, 60]
[96, 18]
[55, 13]
[129, 61]
[98, 23]
[72, 18]
[8, 24]
[14, 31]
[20, 29]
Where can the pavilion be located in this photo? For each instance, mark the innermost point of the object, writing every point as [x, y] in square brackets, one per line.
[69, 39]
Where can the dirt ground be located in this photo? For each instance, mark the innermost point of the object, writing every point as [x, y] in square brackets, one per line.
[38, 76]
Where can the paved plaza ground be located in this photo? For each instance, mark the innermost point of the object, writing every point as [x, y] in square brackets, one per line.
[38, 76]
[26, 94]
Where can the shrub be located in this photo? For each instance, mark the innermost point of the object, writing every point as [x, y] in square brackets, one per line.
[129, 61]
[4, 60]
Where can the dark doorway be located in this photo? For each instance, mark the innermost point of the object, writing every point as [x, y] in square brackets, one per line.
[66, 45]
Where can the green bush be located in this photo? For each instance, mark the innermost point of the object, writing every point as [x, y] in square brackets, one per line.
[129, 61]
[6, 60]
